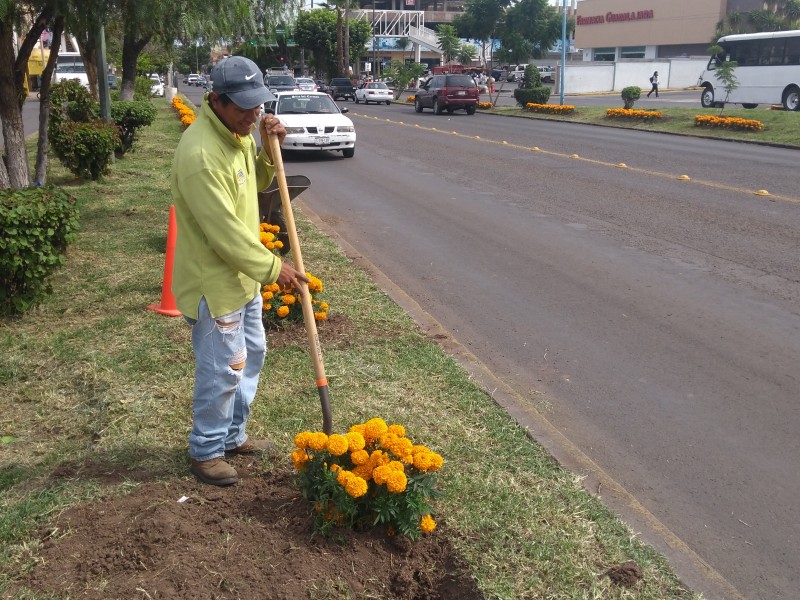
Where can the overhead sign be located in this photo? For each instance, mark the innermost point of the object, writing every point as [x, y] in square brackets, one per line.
[611, 17]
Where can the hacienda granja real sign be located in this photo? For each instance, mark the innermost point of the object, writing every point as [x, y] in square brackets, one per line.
[611, 17]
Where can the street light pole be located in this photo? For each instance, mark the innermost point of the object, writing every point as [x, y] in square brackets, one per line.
[563, 47]
[374, 64]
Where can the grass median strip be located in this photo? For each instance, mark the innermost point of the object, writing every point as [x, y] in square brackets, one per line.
[780, 127]
[92, 381]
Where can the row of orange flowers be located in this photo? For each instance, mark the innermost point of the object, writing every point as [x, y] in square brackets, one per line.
[728, 123]
[185, 114]
[553, 109]
[632, 113]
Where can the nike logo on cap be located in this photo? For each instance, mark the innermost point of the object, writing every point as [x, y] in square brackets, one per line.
[249, 77]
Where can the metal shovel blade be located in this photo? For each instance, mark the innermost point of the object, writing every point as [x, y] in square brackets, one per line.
[269, 205]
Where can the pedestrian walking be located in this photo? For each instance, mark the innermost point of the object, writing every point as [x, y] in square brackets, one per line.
[654, 84]
[220, 264]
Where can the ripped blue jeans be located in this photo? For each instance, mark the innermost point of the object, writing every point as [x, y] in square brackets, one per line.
[229, 353]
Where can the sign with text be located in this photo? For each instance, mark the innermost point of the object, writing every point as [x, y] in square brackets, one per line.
[611, 17]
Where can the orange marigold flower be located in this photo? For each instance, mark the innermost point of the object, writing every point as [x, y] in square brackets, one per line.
[283, 311]
[337, 444]
[288, 299]
[381, 474]
[356, 487]
[317, 441]
[355, 440]
[398, 430]
[396, 482]
[427, 524]
[359, 457]
[301, 439]
[375, 428]
[320, 316]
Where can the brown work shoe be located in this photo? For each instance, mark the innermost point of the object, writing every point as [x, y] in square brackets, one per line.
[251, 446]
[214, 472]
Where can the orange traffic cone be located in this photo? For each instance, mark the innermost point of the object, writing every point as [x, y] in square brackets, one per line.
[167, 305]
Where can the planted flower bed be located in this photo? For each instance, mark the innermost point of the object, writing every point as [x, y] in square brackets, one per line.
[728, 123]
[632, 114]
[553, 109]
[185, 114]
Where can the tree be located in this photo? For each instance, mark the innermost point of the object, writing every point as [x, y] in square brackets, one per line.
[466, 54]
[480, 20]
[315, 31]
[14, 168]
[776, 15]
[448, 41]
[400, 74]
[532, 27]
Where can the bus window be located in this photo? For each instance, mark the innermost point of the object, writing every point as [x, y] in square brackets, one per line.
[792, 52]
[772, 51]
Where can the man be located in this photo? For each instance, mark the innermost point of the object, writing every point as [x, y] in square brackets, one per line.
[220, 264]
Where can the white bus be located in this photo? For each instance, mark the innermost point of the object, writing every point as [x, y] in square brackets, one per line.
[767, 71]
[69, 65]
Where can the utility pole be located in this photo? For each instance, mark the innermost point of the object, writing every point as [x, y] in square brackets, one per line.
[563, 47]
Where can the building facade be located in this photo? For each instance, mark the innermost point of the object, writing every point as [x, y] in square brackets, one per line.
[613, 30]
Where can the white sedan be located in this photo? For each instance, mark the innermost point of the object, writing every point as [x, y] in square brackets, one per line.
[374, 92]
[313, 122]
[156, 86]
[306, 84]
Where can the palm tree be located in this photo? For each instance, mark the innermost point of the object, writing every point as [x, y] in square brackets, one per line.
[448, 40]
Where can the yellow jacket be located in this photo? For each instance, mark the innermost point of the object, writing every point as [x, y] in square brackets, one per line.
[215, 180]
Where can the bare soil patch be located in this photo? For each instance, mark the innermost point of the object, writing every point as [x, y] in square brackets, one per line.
[250, 540]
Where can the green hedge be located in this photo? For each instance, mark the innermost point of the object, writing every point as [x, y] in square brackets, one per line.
[129, 116]
[36, 224]
[536, 95]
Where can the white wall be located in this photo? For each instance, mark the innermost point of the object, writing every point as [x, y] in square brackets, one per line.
[584, 78]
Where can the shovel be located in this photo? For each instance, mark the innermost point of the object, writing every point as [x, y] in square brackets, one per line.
[308, 310]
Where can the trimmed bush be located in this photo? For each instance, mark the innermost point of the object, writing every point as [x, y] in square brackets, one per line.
[537, 95]
[79, 138]
[531, 90]
[630, 95]
[130, 116]
[36, 224]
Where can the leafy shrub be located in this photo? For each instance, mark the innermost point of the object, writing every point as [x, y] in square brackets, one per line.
[537, 95]
[372, 475]
[630, 95]
[531, 78]
[130, 116]
[36, 224]
[142, 89]
[79, 138]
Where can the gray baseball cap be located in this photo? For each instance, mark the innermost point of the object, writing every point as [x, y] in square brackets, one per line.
[240, 79]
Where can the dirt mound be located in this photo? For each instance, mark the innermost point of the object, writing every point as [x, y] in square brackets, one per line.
[250, 540]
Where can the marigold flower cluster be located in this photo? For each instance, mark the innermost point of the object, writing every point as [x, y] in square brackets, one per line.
[372, 474]
[185, 114]
[286, 304]
[553, 109]
[631, 113]
[728, 123]
[411, 99]
[485, 105]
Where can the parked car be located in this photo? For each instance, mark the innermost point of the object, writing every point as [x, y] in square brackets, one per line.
[342, 87]
[280, 83]
[313, 122]
[191, 79]
[113, 81]
[516, 72]
[306, 84]
[448, 92]
[156, 86]
[375, 91]
[322, 86]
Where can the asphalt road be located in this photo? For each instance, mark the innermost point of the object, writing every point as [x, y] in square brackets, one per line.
[654, 321]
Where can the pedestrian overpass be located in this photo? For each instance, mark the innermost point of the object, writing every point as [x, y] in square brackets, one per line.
[400, 24]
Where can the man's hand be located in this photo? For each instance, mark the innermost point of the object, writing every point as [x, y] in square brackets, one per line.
[270, 125]
[291, 276]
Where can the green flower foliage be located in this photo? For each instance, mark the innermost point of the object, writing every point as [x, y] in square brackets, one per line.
[36, 224]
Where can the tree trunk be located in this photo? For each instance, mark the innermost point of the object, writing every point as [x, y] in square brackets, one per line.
[40, 171]
[347, 39]
[131, 48]
[14, 166]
